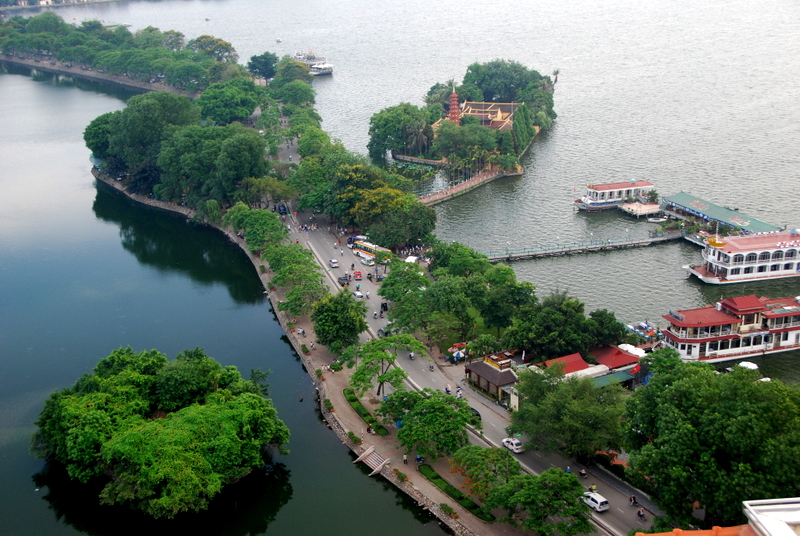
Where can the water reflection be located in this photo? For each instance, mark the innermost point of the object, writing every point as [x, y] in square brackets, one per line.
[57, 80]
[170, 243]
[246, 507]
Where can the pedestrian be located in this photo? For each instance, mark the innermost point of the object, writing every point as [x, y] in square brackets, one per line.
[312, 345]
[633, 500]
[568, 470]
[341, 251]
[334, 245]
[405, 459]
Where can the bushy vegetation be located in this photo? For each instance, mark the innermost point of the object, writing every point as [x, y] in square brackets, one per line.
[359, 408]
[451, 491]
[164, 436]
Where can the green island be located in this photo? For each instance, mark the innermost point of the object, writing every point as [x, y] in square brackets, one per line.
[164, 436]
[692, 436]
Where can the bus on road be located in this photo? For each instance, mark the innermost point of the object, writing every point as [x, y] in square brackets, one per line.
[367, 250]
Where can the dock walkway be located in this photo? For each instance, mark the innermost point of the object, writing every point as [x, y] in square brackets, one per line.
[588, 246]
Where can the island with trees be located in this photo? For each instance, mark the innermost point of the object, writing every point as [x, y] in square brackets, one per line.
[163, 436]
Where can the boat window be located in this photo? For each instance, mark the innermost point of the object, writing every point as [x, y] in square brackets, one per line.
[765, 256]
[791, 253]
[748, 270]
[762, 268]
[751, 257]
[788, 266]
[738, 258]
[735, 271]
[756, 340]
[777, 255]
[747, 341]
[774, 267]
[785, 336]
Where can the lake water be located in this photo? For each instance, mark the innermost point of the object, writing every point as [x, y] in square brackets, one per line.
[693, 96]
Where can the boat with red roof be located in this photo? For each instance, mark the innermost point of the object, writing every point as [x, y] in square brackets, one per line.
[751, 257]
[600, 197]
[734, 328]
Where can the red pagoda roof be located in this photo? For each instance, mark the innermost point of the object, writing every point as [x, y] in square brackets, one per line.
[743, 304]
[620, 185]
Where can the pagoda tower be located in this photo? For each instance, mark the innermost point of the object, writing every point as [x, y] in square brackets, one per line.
[454, 114]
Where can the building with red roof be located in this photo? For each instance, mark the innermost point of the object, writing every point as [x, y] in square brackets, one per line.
[572, 363]
[613, 357]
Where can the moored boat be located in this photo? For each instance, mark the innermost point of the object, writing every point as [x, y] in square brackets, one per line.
[600, 197]
[320, 69]
[735, 328]
[753, 257]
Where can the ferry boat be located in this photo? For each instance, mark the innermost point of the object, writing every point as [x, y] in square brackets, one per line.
[320, 69]
[735, 328]
[753, 257]
[605, 196]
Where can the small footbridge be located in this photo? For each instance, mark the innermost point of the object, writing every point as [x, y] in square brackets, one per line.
[589, 246]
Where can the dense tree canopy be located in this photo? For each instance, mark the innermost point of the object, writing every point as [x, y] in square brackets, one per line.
[229, 101]
[568, 412]
[712, 438]
[338, 320]
[377, 363]
[169, 434]
[263, 65]
[433, 422]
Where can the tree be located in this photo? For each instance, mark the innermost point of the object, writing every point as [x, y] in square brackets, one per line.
[263, 65]
[378, 363]
[400, 128]
[213, 429]
[458, 259]
[229, 101]
[549, 504]
[434, 426]
[568, 412]
[215, 48]
[407, 223]
[500, 80]
[297, 92]
[98, 132]
[504, 297]
[605, 328]
[698, 436]
[338, 320]
[484, 468]
[313, 141]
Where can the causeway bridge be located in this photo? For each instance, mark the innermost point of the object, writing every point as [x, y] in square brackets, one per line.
[589, 246]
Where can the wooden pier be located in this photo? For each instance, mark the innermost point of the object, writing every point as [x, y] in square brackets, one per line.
[589, 246]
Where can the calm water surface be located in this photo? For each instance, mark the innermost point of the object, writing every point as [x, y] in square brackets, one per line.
[693, 96]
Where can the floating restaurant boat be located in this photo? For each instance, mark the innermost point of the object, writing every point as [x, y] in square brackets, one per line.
[735, 328]
[753, 257]
[600, 197]
[320, 69]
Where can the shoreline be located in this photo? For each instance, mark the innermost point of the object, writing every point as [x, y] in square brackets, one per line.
[93, 76]
[454, 525]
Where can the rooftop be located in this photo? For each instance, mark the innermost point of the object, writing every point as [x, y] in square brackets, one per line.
[613, 357]
[620, 185]
[758, 242]
[703, 316]
[709, 211]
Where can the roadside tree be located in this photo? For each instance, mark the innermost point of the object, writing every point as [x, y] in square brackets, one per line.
[263, 65]
[568, 412]
[549, 504]
[484, 468]
[338, 320]
[378, 363]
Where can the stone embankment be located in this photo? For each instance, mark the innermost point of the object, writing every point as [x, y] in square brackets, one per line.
[330, 386]
[63, 69]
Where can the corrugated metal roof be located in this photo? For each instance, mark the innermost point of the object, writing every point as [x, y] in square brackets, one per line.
[710, 211]
[615, 377]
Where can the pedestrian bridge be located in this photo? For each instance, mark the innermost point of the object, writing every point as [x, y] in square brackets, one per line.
[589, 246]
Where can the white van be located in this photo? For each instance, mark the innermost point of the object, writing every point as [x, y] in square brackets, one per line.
[596, 502]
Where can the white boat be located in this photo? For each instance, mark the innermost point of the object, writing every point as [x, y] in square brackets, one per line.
[735, 328]
[309, 57]
[753, 257]
[320, 69]
[656, 220]
[605, 196]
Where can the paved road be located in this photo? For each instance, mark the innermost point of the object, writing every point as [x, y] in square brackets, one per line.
[325, 244]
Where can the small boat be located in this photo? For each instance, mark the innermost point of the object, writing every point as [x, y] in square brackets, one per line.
[656, 220]
[279, 40]
[207, 19]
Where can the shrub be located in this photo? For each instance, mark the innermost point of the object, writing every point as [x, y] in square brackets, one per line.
[304, 349]
[362, 412]
[447, 509]
[353, 437]
[318, 372]
[337, 367]
[434, 478]
[328, 404]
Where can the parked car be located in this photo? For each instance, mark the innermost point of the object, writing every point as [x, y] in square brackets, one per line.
[367, 262]
[282, 209]
[514, 445]
[358, 276]
[596, 502]
[344, 281]
[333, 263]
[357, 294]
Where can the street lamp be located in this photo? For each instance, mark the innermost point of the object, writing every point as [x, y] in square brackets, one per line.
[508, 247]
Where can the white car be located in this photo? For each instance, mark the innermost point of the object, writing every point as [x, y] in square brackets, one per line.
[333, 263]
[367, 262]
[596, 502]
[514, 445]
[357, 294]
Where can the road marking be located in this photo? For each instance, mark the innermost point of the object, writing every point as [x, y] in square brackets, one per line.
[493, 424]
